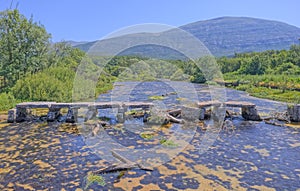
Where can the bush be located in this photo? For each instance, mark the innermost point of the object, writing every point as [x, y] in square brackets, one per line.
[7, 101]
[41, 87]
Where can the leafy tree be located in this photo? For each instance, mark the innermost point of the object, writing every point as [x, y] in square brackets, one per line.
[23, 46]
[63, 54]
[229, 64]
[180, 76]
[287, 68]
[254, 67]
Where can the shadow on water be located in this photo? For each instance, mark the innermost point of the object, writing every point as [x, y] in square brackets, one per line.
[254, 156]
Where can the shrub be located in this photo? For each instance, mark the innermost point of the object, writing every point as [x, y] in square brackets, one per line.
[7, 101]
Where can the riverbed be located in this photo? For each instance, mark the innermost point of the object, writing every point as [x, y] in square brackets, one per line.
[253, 156]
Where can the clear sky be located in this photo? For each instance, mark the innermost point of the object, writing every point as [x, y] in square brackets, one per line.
[92, 19]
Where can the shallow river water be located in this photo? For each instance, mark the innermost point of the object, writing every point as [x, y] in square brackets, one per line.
[253, 156]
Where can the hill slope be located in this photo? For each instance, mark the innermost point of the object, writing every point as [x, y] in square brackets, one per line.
[228, 35]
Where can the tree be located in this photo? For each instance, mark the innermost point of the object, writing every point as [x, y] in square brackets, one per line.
[287, 68]
[63, 54]
[23, 46]
[253, 66]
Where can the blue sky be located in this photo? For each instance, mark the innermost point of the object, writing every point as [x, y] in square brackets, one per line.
[92, 19]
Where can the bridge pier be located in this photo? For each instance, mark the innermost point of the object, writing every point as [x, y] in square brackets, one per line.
[91, 113]
[21, 114]
[218, 113]
[121, 114]
[11, 116]
[191, 114]
[294, 112]
[250, 113]
[72, 115]
[53, 113]
[202, 113]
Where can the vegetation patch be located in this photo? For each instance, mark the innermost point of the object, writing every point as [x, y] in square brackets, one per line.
[156, 97]
[135, 112]
[168, 143]
[272, 94]
[94, 178]
[7, 101]
[147, 135]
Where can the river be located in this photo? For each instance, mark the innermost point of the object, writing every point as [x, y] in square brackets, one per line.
[253, 156]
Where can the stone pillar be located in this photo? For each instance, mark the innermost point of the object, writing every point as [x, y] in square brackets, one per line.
[11, 116]
[218, 113]
[72, 115]
[146, 116]
[92, 113]
[294, 112]
[53, 113]
[202, 113]
[157, 116]
[250, 113]
[121, 115]
[147, 112]
[21, 114]
[190, 114]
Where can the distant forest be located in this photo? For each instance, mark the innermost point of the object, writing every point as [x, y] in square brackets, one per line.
[34, 69]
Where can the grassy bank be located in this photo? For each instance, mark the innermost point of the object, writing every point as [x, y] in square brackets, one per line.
[274, 87]
[272, 94]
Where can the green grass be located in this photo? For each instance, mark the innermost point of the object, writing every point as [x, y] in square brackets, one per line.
[274, 87]
[134, 112]
[157, 97]
[275, 94]
[93, 178]
[168, 143]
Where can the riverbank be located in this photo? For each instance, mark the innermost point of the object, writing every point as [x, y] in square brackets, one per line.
[286, 96]
[278, 88]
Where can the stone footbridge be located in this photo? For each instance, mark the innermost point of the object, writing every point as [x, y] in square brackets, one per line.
[21, 112]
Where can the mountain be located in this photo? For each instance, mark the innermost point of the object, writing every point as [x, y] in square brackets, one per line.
[75, 43]
[227, 35]
[223, 36]
[85, 46]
